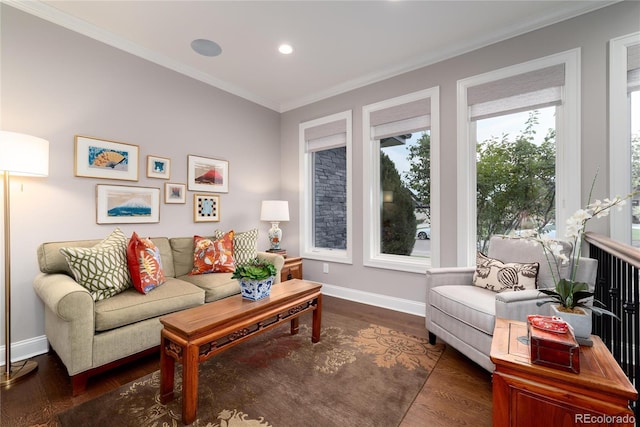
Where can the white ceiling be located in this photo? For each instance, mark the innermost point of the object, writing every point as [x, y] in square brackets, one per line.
[338, 45]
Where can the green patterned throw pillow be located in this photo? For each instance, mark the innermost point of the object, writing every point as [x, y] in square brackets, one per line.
[245, 245]
[102, 269]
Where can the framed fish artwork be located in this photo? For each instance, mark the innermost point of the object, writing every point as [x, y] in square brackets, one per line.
[127, 204]
[101, 158]
[209, 175]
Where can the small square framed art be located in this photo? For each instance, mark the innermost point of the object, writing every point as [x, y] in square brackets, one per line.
[206, 208]
[175, 193]
[158, 167]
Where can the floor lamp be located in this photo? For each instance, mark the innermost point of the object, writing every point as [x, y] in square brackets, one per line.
[25, 155]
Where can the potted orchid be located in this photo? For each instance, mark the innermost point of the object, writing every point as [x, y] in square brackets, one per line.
[571, 299]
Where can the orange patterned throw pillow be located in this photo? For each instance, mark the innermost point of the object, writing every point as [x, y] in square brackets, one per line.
[213, 256]
[145, 264]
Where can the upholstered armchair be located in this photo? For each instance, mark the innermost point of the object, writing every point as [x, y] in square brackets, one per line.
[463, 315]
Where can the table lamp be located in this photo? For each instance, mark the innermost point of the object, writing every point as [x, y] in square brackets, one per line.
[24, 155]
[275, 211]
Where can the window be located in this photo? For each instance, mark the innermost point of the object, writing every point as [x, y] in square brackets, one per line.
[624, 137]
[325, 224]
[495, 172]
[400, 198]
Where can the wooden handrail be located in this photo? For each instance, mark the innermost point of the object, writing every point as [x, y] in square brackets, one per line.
[625, 252]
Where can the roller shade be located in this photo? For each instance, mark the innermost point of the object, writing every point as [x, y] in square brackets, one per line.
[401, 119]
[633, 68]
[326, 136]
[522, 92]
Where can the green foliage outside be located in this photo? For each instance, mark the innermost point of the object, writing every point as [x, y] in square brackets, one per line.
[398, 217]
[419, 175]
[515, 183]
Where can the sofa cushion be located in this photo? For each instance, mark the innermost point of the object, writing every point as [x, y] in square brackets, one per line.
[182, 249]
[497, 276]
[216, 286]
[101, 269]
[145, 264]
[131, 306]
[471, 305]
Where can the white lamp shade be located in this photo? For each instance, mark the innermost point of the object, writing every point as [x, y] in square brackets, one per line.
[274, 210]
[22, 154]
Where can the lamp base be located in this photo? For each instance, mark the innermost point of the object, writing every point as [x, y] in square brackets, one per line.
[18, 371]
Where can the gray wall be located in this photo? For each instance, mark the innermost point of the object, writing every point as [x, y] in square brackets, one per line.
[590, 32]
[57, 83]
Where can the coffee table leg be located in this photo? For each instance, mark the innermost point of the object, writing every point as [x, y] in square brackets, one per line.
[167, 372]
[317, 320]
[190, 384]
[295, 326]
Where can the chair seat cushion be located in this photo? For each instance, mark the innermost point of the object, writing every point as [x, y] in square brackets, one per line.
[471, 305]
[132, 306]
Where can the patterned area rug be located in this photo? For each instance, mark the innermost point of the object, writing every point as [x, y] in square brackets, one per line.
[357, 375]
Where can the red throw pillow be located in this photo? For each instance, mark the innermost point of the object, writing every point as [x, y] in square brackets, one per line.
[224, 262]
[213, 256]
[145, 264]
[204, 255]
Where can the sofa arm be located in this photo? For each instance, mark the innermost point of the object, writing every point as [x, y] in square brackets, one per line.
[276, 259]
[517, 305]
[449, 276]
[64, 296]
[69, 319]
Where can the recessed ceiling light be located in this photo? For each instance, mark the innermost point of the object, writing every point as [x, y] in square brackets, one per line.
[285, 49]
[206, 47]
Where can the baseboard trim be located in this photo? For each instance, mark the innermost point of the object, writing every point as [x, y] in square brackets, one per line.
[26, 349]
[378, 300]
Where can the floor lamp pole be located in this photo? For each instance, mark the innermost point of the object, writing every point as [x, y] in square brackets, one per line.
[11, 372]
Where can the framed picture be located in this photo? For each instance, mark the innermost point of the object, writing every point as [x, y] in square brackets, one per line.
[175, 193]
[204, 174]
[206, 208]
[124, 204]
[100, 158]
[158, 167]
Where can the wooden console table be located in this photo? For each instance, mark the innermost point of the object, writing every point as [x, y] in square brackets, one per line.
[526, 394]
[194, 335]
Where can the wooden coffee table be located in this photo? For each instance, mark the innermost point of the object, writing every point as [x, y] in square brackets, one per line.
[194, 335]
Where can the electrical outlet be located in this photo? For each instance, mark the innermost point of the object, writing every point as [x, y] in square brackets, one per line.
[325, 268]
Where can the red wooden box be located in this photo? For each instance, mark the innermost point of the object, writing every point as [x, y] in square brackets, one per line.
[554, 350]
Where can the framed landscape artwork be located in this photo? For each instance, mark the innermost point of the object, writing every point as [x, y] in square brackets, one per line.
[205, 174]
[158, 167]
[101, 158]
[124, 204]
[206, 208]
[175, 193]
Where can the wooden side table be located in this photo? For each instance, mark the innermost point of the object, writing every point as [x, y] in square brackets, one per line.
[525, 394]
[292, 269]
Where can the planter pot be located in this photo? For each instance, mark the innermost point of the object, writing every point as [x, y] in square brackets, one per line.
[581, 323]
[256, 289]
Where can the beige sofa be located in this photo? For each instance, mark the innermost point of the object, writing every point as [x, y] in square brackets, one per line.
[91, 337]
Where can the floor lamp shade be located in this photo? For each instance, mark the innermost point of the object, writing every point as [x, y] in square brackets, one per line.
[25, 155]
[275, 211]
[22, 154]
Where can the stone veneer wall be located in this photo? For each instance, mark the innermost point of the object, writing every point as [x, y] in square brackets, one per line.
[330, 198]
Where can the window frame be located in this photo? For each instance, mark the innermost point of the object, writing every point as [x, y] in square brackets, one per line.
[619, 134]
[307, 249]
[568, 171]
[372, 257]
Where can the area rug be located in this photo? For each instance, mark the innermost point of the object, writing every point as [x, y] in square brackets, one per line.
[359, 374]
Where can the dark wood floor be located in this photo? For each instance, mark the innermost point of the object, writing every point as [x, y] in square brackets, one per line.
[457, 393]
